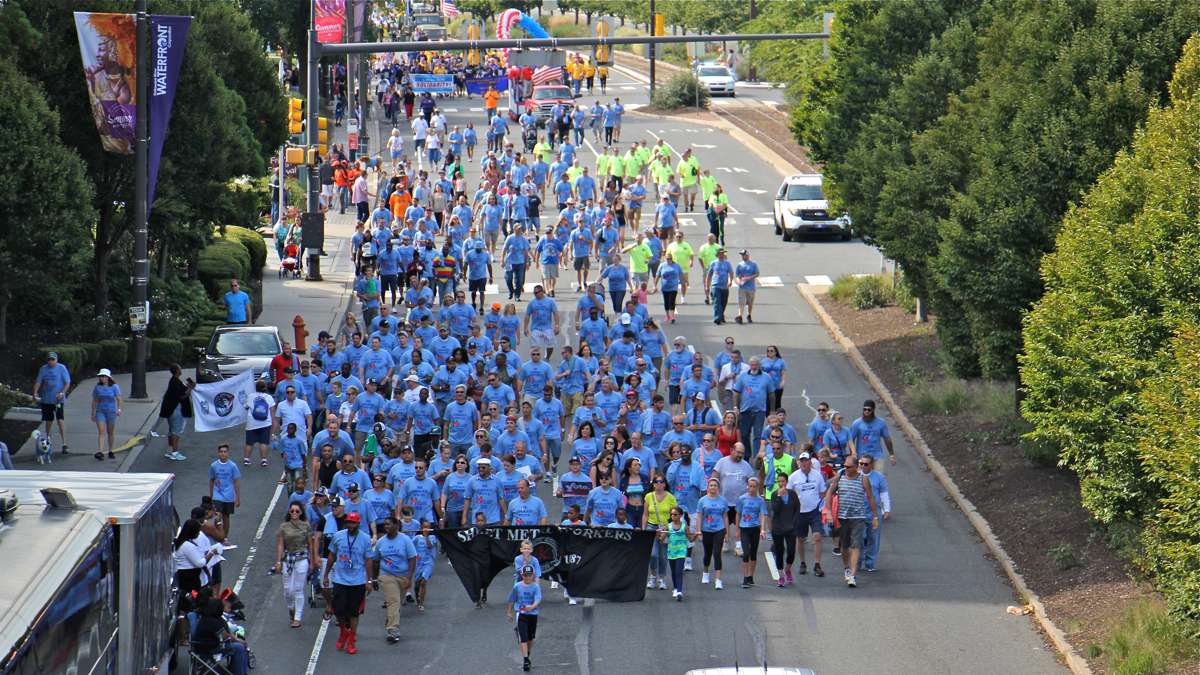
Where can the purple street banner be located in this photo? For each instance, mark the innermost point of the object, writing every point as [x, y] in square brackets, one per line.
[477, 86]
[168, 39]
[108, 45]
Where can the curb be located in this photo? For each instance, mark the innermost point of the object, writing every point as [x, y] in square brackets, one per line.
[1070, 656]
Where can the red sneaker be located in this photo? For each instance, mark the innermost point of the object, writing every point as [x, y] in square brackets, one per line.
[351, 644]
[343, 637]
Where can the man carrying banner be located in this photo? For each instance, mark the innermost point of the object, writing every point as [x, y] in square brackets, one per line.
[524, 600]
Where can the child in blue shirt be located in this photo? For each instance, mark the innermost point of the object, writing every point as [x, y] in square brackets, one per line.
[523, 601]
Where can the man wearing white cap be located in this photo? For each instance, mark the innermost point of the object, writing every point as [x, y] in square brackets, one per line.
[701, 418]
[809, 485]
[412, 393]
[485, 495]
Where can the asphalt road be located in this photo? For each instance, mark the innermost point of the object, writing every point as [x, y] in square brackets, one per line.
[936, 605]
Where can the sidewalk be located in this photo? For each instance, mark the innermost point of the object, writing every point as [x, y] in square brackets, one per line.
[321, 303]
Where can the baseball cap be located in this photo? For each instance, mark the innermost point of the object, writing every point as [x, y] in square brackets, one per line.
[631, 392]
[336, 500]
[353, 517]
[412, 378]
[321, 492]
[527, 570]
[744, 252]
[869, 404]
[104, 372]
[805, 455]
[373, 381]
[625, 318]
[479, 246]
[353, 487]
[496, 306]
[699, 395]
[52, 356]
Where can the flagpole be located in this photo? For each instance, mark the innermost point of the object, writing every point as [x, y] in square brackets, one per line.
[141, 254]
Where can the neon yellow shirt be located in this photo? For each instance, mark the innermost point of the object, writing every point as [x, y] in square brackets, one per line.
[707, 185]
[662, 173]
[722, 198]
[639, 258]
[681, 253]
[602, 165]
[616, 167]
[688, 171]
[708, 254]
[573, 173]
[544, 151]
[633, 164]
[643, 155]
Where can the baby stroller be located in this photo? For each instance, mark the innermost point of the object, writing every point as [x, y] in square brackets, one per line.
[530, 137]
[291, 263]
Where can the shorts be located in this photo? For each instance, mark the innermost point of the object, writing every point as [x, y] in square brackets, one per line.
[52, 411]
[851, 532]
[809, 520]
[214, 577]
[526, 627]
[544, 339]
[745, 296]
[106, 417]
[550, 270]
[348, 601]
[419, 144]
[223, 508]
[732, 515]
[176, 423]
[583, 263]
[260, 435]
[689, 190]
[327, 190]
[477, 285]
[423, 571]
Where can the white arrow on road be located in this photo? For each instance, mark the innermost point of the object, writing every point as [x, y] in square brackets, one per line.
[753, 191]
[701, 145]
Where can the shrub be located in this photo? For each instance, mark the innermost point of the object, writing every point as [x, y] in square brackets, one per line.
[176, 306]
[219, 262]
[872, 292]
[91, 352]
[254, 244]
[166, 351]
[73, 356]
[1148, 640]
[943, 397]
[114, 352]
[10, 398]
[681, 91]
[1064, 556]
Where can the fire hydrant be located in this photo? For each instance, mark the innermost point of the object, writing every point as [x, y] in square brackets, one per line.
[300, 333]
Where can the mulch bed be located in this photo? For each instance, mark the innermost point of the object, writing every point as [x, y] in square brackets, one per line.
[1031, 508]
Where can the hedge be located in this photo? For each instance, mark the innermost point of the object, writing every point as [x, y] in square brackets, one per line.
[190, 343]
[92, 351]
[166, 351]
[113, 353]
[10, 397]
[681, 91]
[254, 245]
[73, 356]
[219, 262]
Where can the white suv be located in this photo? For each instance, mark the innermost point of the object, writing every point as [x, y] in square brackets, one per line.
[716, 79]
[801, 208]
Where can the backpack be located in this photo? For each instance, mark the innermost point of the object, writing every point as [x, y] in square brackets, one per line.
[259, 410]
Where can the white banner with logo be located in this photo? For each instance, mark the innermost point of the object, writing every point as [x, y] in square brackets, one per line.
[220, 405]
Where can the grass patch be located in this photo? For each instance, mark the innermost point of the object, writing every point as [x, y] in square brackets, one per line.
[1064, 556]
[1148, 641]
[943, 397]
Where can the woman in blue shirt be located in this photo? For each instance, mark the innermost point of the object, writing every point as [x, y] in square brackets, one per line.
[837, 440]
[586, 446]
[617, 276]
[654, 344]
[709, 521]
[510, 325]
[774, 365]
[668, 277]
[453, 493]
[751, 511]
[106, 408]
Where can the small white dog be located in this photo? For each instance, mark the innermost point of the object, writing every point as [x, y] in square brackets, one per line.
[43, 446]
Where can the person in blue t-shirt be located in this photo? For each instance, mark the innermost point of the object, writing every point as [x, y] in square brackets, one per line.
[225, 485]
[870, 435]
[719, 277]
[523, 603]
[50, 389]
[747, 281]
[395, 561]
[751, 513]
[238, 306]
[603, 501]
[709, 521]
[350, 553]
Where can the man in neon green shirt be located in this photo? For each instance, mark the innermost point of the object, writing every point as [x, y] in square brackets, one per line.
[601, 165]
[689, 175]
[662, 173]
[639, 260]
[616, 167]
[683, 255]
[708, 184]
[643, 155]
[707, 255]
[543, 150]
[574, 172]
[633, 164]
[718, 208]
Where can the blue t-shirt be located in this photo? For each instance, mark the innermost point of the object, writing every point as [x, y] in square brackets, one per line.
[53, 380]
[294, 450]
[721, 271]
[669, 276]
[868, 436]
[350, 554]
[617, 277]
[750, 511]
[223, 475]
[455, 491]
[105, 396]
[523, 596]
[237, 306]
[541, 313]
[604, 504]
[394, 554]
[462, 419]
[712, 512]
[420, 495]
[753, 389]
[484, 495]
[526, 511]
[747, 268]
[380, 504]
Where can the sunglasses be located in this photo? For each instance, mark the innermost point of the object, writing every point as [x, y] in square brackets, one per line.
[864, 464]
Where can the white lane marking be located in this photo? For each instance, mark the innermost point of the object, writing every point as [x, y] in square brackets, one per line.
[818, 280]
[759, 220]
[730, 221]
[258, 535]
[771, 564]
[753, 191]
[807, 402]
[687, 222]
[769, 282]
[629, 87]
[476, 109]
[703, 145]
[316, 650]
[449, 109]
[738, 169]
[495, 288]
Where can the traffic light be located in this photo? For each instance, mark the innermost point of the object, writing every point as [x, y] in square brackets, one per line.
[295, 116]
[294, 155]
[602, 54]
[660, 25]
[322, 135]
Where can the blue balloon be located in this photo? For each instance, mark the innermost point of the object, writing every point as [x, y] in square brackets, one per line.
[533, 28]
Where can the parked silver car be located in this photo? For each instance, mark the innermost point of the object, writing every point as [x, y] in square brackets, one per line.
[234, 349]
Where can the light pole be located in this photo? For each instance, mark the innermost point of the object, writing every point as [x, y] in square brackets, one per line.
[141, 164]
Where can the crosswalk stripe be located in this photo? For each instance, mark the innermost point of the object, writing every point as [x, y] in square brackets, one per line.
[496, 288]
[476, 109]
[760, 220]
[770, 282]
[818, 280]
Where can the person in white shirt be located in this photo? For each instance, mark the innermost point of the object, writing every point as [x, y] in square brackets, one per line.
[260, 418]
[293, 409]
[728, 375]
[808, 484]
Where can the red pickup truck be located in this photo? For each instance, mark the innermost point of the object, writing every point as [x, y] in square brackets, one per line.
[543, 99]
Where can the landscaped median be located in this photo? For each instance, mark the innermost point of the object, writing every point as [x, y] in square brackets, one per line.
[1081, 586]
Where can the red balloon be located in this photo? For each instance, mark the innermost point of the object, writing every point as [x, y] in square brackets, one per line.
[514, 73]
[527, 73]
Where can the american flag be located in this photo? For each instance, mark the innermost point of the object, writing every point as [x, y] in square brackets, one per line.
[449, 8]
[546, 74]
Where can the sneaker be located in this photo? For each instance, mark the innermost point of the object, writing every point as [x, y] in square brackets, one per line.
[526, 665]
[846, 573]
[674, 594]
[662, 584]
[817, 571]
[650, 581]
[704, 578]
[870, 568]
[687, 564]
[548, 479]
[679, 596]
[246, 461]
[746, 583]
[738, 548]
[155, 434]
[737, 320]
[572, 601]
[263, 463]
[851, 581]
[803, 568]
[790, 579]
[718, 585]
[837, 550]
[112, 455]
[683, 300]
[782, 582]
[707, 301]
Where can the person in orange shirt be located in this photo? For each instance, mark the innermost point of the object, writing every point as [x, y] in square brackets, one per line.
[343, 180]
[399, 203]
[491, 100]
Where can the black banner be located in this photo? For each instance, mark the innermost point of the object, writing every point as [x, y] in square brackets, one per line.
[591, 562]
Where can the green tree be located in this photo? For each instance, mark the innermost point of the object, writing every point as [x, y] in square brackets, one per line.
[47, 199]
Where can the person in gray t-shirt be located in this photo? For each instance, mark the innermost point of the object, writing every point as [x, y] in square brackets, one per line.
[733, 472]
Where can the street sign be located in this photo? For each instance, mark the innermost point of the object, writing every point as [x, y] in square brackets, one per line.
[352, 134]
[139, 317]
